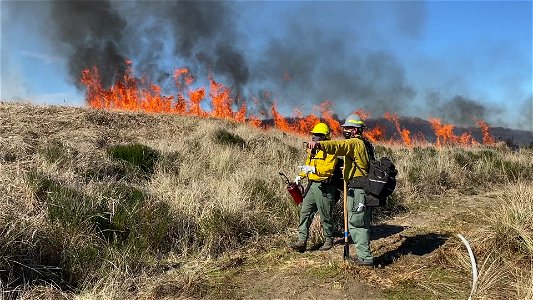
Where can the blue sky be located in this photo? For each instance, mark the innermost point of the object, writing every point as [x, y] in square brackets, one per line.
[449, 59]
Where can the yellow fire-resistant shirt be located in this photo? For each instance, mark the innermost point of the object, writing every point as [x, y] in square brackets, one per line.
[324, 165]
[353, 150]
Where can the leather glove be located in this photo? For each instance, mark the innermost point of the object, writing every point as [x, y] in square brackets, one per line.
[298, 180]
[307, 169]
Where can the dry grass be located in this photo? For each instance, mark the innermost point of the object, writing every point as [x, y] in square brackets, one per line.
[78, 219]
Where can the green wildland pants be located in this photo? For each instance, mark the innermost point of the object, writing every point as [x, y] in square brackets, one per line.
[321, 198]
[359, 224]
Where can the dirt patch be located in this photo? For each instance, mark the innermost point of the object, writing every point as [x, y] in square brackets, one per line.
[311, 275]
[407, 249]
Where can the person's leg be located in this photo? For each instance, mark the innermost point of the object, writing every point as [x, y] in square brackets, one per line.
[307, 213]
[359, 225]
[325, 205]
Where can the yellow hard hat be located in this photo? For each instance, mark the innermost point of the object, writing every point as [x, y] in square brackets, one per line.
[321, 128]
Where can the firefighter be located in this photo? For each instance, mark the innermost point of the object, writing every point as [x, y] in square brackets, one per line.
[356, 158]
[321, 191]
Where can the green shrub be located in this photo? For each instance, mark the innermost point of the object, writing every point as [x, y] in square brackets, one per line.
[135, 220]
[514, 171]
[171, 162]
[121, 225]
[139, 156]
[81, 261]
[264, 193]
[223, 137]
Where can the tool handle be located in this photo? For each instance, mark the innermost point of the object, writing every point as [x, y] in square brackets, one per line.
[346, 253]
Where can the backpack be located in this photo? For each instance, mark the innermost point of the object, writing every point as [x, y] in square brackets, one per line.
[380, 182]
[381, 179]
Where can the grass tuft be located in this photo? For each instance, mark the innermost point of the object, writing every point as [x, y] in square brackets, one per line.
[223, 137]
[137, 155]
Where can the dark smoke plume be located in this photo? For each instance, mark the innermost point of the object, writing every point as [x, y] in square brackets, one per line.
[206, 29]
[104, 34]
[304, 62]
[458, 110]
[201, 34]
[89, 33]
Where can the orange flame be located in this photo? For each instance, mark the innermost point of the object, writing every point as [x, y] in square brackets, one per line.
[375, 134]
[131, 93]
[487, 137]
[404, 133]
[327, 115]
[362, 114]
[445, 135]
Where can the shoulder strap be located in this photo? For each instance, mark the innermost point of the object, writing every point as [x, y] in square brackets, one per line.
[369, 147]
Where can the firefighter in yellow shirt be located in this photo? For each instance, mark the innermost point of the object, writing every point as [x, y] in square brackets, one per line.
[356, 158]
[321, 191]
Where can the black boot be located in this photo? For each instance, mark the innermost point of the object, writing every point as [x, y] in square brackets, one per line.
[299, 246]
[360, 262]
[327, 245]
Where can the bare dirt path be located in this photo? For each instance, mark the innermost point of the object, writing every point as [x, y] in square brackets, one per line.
[405, 247]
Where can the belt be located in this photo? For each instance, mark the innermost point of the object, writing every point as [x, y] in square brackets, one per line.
[325, 181]
[357, 182]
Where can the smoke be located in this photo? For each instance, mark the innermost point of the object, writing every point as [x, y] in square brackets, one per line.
[205, 30]
[311, 53]
[203, 36]
[525, 120]
[311, 63]
[460, 110]
[105, 34]
[89, 33]
[16, 89]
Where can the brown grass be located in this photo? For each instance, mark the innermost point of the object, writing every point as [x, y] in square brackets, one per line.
[76, 220]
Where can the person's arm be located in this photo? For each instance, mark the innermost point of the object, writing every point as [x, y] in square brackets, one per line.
[338, 148]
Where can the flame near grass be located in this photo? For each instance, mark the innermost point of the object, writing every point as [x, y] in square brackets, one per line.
[132, 93]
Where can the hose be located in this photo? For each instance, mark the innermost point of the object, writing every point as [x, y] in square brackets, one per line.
[472, 262]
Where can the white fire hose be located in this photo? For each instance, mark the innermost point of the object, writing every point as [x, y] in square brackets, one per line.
[472, 262]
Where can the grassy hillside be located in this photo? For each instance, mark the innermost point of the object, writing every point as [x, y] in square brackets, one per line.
[100, 204]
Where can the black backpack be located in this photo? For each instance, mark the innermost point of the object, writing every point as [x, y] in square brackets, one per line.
[381, 179]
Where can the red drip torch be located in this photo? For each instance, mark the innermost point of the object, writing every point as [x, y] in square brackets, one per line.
[294, 189]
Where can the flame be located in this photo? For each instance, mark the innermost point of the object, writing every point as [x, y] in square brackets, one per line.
[485, 130]
[131, 93]
[445, 135]
[404, 133]
[375, 134]
[362, 114]
[327, 115]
